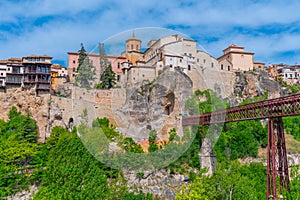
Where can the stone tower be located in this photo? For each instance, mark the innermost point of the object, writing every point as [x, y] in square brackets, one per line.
[133, 44]
[133, 52]
[207, 159]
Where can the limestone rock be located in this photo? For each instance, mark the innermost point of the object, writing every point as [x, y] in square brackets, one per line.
[154, 106]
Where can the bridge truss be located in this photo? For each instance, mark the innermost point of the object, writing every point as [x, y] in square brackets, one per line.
[273, 110]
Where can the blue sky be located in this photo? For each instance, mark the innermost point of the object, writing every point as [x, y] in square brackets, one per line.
[270, 29]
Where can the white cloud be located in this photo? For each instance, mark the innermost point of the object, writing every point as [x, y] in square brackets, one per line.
[71, 22]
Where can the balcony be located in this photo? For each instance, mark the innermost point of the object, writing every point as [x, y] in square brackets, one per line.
[43, 81]
[43, 72]
[30, 71]
[43, 87]
[13, 82]
[30, 81]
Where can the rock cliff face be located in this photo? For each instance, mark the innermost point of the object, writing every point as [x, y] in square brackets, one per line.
[160, 183]
[155, 106]
[45, 112]
[251, 84]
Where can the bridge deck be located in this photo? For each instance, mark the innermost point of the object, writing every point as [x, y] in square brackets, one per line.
[273, 108]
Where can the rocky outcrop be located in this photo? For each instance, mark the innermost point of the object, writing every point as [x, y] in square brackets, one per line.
[161, 183]
[41, 108]
[155, 105]
[251, 84]
[63, 89]
[24, 194]
[27, 101]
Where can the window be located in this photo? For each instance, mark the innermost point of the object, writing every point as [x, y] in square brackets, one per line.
[212, 65]
[197, 60]
[74, 61]
[118, 65]
[221, 66]
[73, 69]
[189, 67]
[143, 75]
[204, 61]
[133, 78]
[291, 75]
[180, 60]
[118, 78]
[132, 47]
[1, 74]
[228, 68]
[137, 47]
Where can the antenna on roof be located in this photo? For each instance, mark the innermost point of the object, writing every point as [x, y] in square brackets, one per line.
[133, 35]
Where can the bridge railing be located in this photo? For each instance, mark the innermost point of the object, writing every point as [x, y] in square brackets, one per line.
[279, 107]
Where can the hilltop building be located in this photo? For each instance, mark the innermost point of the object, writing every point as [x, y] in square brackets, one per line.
[133, 52]
[37, 72]
[172, 53]
[235, 58]
[289, 74]
[27, 72]
[115, 61]
[59, 75]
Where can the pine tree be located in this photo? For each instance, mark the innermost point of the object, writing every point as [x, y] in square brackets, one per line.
[82, 56]
[85, 70]
[108, 79]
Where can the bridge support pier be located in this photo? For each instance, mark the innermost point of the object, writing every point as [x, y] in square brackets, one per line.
[207, 159]
[277, 164]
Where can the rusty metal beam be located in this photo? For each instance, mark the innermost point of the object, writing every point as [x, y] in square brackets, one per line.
[274, 108]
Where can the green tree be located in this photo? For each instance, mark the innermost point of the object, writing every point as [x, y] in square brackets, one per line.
[85, 71]
[82, 56]
[152, 145]
[19, 151]
[108, 79]
[230, 181]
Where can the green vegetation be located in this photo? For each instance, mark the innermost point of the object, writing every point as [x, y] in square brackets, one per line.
[62, 167]
[73, 173]
[230, 181]
[241, 139]
[65, 169]
[19, 152]
[152, 145]
[292, 126]
[128, 144]
[294, 88]
[108, 79]
[85, 71]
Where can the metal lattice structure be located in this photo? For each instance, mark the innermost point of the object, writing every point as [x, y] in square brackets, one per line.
[273, 110]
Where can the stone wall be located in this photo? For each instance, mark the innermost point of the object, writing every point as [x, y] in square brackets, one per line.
[98, 103]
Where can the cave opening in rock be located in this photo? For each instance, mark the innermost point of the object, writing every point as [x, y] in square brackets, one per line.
[169, 104]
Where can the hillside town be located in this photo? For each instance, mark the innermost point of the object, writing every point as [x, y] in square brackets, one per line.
[134, 65]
